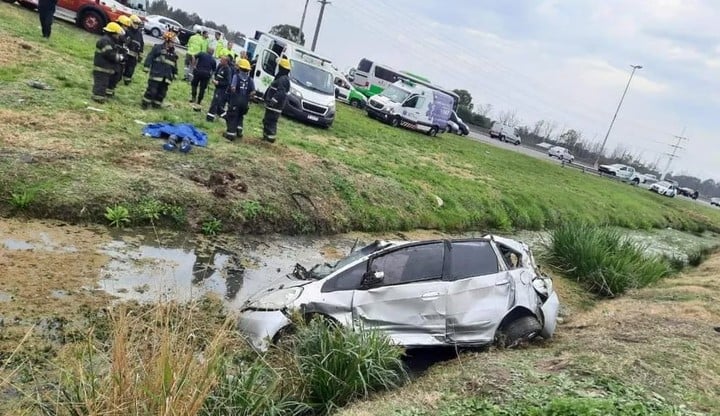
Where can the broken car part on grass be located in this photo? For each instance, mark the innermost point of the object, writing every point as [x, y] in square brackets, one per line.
[465, 292]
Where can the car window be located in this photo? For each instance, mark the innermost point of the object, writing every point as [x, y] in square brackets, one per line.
[385, 74]
[411, 264]
[472, 258]
[411, 102]
[364, 65]
[348, 280]
[511, 258]
[269, 62]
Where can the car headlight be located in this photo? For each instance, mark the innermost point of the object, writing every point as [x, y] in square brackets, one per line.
[296, 92]
[331, 107]
[278, 299]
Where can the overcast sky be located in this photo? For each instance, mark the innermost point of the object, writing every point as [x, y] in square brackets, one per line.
[561, 60]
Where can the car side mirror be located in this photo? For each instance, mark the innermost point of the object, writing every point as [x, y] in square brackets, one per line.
[372, 279]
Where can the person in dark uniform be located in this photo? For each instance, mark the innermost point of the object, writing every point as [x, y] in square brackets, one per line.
[46, 8]
[135, 44]
[121, 47]
[203, 71]
[275, 100]
[223, 76]
[161, 62]
[242, 89]
[105, 60]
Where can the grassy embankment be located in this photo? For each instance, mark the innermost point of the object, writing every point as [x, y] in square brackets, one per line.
[61, 160]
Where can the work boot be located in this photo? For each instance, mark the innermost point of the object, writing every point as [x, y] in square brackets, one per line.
[192, 100]
[127, 81]
[230, 136]
[210, 117]
[98, 99]
[270, 139]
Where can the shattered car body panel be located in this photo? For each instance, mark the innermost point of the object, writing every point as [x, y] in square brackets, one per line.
[422, 293]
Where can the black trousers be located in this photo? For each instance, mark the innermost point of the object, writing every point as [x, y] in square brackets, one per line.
[46, 9]
[218, 103]
[129, 71]
[234, 118]
[115, 79]
[270, 124]
[200, 79]
[101, 80]
[155, 93]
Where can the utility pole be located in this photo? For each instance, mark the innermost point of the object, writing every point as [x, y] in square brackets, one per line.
[319, 23]
[672, 156]
[602, 148]
[302, 21]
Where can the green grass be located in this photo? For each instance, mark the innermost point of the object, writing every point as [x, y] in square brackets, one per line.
[604, 259]
[357, 175]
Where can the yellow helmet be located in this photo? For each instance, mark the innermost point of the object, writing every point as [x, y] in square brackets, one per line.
[124, 20]
[168, 36]
[115, 28]
[244, 64]
[285, 64]
[136, 20]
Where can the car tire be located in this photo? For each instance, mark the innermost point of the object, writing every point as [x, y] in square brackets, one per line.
[395, 122]
[636, 182]
[155, 32]
[520, 330]
[433, 131]
[356, 103]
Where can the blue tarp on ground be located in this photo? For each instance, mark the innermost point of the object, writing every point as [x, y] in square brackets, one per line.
[162, 130]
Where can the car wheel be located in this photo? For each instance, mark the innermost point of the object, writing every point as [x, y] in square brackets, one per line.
[395, 122]
[155, 32]
[501, 138]
[636, 181]
[92, 21]
[433, 131]
[522, 329]
[356, 103]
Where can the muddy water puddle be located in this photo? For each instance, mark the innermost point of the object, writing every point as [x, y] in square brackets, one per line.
[144, 266]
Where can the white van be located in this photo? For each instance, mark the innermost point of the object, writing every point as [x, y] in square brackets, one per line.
[312, 88]
[504, 133]
[414, 106]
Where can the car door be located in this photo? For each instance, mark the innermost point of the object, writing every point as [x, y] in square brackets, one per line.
[409, 303]
[479, 293]
[342, 90]
[265, 70]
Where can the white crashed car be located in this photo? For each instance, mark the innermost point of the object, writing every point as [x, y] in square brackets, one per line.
[664, 188]
[425, 293]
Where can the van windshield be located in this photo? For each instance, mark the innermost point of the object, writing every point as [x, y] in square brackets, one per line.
[395, 94]
[312, 78]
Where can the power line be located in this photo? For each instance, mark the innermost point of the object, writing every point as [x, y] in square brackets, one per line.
[319, 22]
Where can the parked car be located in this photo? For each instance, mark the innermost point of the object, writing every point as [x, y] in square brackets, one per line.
[157, 25]
[650, 178]
[347, 93]
[688, 192]
[664, 188]
[457, 125]
[715, 201]
[504, 133]
[561, 153]
[622, 172]
[466, 292]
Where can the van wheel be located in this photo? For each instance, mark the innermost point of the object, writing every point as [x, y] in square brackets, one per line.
[355, 103]
[501, 138]
[433, 131]
[395, 122]
[155, 32]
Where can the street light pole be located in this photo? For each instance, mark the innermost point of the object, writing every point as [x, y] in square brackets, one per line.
[302, 21]
[602, 148]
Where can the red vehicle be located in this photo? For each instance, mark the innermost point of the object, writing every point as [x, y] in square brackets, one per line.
[91, 15]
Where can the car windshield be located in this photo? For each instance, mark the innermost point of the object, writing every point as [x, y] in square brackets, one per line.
[395, 94]
[320, 271]
[312, 77]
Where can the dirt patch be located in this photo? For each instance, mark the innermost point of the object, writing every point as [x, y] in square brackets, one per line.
[223, 184]
[15, 51]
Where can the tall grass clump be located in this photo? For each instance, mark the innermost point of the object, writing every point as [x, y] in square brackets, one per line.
[603, 259]
[154, 363]
[339, 365]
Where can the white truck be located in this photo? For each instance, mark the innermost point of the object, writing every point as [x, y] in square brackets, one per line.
[312, 88]
[623, 172]
[413, 106]
[504, 133]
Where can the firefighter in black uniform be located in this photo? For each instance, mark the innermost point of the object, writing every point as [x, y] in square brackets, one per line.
[223, 76]
[242, 89]
[135, 44]
[106, 58]
[121, 48]
[162, 64]
[275, 99]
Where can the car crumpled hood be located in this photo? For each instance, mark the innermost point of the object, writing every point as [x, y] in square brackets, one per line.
[283, 283]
